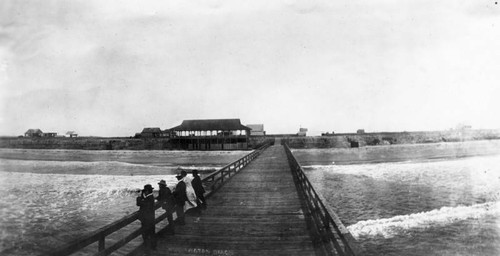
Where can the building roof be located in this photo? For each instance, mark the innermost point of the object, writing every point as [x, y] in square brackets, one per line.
[211, 125]
[31, 131]
[70, 132]
[151, 130]
[256, 127]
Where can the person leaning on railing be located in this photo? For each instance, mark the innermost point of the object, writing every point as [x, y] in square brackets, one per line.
[146, 203]
[167, 202]
[180, 197]
[199, 190]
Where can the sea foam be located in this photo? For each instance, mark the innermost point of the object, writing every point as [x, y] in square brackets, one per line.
[396, 225]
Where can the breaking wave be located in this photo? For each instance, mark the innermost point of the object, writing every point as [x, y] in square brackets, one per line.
[390, 227]
[43, 210]
[319, 166]
[99, 168]
[200, 168]
[51, 163]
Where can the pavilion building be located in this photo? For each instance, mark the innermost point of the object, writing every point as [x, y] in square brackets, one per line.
[210, 134]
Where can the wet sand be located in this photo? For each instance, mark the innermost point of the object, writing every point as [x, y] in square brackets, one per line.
[88, 162]
[397, 153]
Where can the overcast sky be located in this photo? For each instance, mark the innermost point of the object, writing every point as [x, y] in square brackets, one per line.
[110, 68]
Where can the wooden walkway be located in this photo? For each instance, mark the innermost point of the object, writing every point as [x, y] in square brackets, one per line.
[258, 212]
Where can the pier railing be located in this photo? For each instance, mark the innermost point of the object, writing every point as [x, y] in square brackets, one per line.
[213, 182]
[216, 179]
[334, 236]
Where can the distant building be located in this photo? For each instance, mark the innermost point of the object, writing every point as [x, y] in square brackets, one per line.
[168, 133]
[210, 134]
[360, 131]
[71, 134]
[49, 134]
[33, 133]
[256, 129]
[328, 134]
[353, 142]
[154, 132]
[302, 132]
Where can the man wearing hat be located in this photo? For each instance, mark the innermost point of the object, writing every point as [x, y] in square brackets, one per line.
[180, 197]
[167, 202]
[146, 203]
[199, 189]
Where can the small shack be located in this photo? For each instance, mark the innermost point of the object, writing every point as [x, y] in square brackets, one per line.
[302, 132]
[33, 133]
[256, 129]
[71, 134]
[50, 134]
[154, 132]
[210, 134]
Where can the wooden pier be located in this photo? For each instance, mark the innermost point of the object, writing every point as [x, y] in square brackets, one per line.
[261, 204]
[257, 213]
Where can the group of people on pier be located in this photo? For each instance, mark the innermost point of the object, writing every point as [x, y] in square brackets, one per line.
[188, 194]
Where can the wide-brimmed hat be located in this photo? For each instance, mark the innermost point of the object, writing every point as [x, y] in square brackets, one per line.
[162, 182]
[148, 187]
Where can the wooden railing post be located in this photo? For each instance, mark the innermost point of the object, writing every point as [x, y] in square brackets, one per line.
[326, 222]
[102, 241]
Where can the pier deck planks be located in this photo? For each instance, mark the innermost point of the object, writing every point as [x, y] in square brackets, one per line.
[258, 212]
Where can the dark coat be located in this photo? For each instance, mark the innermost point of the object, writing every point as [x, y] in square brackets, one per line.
[198, 186]
[146, 208]
[180, 193]
[166, 198]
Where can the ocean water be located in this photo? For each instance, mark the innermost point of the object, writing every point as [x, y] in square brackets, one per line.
[438, 207]
[50, 199]
[445, 207]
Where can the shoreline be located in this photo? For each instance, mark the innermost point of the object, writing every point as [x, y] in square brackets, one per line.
[309, 156]
[397, 153]
[338, 140]
[416, 160]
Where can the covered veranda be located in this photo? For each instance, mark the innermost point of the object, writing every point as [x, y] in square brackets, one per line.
[210, 134]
